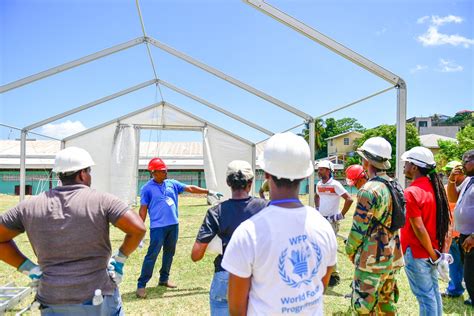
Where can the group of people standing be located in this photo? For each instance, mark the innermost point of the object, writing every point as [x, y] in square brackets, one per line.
[277, 256]
[436, 240]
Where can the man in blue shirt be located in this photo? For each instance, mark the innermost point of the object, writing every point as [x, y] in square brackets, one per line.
[159, 198]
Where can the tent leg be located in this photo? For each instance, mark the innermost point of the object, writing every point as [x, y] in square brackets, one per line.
[312, 127]
[254, 168]
[401, 130]
[23, 164]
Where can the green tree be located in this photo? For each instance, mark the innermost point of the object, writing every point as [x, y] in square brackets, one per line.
[449, 150]
[389, 132]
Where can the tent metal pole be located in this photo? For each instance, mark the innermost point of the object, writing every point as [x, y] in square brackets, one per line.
[23, 164]
[214, 107]
[228, 78]
[137, 156]
[312, 151]
[254, 168]
[401, 130]
[69, 65]
[356, 101]
[91, 104]
[325, 41]
[29, 132]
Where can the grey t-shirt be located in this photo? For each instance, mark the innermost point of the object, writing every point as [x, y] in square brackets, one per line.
[68, 228]
[464, 211]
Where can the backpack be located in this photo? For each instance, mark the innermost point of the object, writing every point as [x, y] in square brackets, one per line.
[398, 203]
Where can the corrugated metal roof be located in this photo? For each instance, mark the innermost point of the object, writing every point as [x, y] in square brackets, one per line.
[40, 154]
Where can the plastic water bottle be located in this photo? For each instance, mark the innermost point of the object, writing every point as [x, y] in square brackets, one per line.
[98, 298]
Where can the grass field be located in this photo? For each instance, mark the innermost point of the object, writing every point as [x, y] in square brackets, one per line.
[193, 279]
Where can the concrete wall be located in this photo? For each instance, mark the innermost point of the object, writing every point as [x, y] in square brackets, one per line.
[448, 131]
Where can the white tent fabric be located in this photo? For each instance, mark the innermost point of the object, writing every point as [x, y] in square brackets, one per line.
[123, 170]
[117, 139]
[219, 151]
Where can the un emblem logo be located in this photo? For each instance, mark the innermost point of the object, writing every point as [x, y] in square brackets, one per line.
[295, 266]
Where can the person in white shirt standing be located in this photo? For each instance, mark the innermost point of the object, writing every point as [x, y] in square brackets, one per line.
[280, 260]
[326, 200]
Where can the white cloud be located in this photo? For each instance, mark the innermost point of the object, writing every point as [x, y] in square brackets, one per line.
[423, 19]
[436, 20]
[432, 37]
[380, 32]
[63, 129]
[418, 68]
[449, 66]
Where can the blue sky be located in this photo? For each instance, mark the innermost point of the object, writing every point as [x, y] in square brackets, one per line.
[427, 43]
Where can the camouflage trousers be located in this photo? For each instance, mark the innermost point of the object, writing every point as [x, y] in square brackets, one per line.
[374, 293]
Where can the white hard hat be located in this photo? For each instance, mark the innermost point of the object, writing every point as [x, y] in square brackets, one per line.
[287, 156]
[378, 151]
[420, 156]
[326, 164]
[72, 159]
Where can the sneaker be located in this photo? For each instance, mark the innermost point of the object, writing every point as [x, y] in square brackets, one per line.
[334, 280]
[141, 292]
[168, 284]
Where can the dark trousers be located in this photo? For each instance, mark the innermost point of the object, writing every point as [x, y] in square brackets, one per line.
[468, 259]
[165, 237]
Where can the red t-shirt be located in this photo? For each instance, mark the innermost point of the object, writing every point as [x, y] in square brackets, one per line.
[420, 203]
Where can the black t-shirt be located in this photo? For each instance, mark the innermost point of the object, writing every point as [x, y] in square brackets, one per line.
[223, 220]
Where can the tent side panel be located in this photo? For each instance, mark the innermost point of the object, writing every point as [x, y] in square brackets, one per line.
[219, 150]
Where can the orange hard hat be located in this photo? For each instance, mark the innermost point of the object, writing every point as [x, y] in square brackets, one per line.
[156, 164]
[354, 173]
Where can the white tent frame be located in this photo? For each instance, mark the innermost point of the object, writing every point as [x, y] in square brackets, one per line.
[365, 63]
[396, 81]
[123, 46]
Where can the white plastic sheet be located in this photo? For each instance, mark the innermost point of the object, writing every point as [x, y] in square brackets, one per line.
[123, 171]
[220, 148]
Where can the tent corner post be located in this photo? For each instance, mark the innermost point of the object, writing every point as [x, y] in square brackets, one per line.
[312, 129]
[401, 129]
[24, 133]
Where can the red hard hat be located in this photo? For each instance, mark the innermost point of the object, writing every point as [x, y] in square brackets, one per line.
[156, 164]
[354, 173]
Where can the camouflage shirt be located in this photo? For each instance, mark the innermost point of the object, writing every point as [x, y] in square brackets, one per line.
[376, 248]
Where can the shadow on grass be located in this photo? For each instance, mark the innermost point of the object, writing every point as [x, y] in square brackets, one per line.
[160, 291]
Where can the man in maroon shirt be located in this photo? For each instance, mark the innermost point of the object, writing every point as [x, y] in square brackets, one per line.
[425, 238]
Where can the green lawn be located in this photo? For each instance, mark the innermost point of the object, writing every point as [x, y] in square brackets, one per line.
[193, 279]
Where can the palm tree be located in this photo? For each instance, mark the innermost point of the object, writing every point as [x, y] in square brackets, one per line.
[318, 134]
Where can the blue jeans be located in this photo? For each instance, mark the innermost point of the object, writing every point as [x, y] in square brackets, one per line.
[218, 294]
[423, 279]
[112, 305]
[165, 237]
[455, 271]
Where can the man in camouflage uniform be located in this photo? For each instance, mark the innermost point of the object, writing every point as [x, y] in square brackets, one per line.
[373, 248]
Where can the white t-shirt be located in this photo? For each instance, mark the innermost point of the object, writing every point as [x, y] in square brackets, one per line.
[329, 196]
[286, 252]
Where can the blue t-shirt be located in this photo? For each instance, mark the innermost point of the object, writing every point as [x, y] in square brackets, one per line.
[162, 201]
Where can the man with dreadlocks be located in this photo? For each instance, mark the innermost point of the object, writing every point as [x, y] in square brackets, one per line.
[426, 235]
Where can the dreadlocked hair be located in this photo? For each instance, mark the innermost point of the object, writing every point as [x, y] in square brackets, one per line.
[237, 180]
[443, 215]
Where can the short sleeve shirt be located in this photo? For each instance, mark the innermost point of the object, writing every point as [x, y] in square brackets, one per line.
[162, 201]
[421, 202]
[286, 253]
[68, 228]
[223, 219]
[464, 211]
[329, 196]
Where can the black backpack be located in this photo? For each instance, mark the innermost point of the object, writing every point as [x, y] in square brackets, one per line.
[398, 203]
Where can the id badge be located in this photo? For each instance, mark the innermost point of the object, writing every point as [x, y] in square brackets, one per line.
[169, 201]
